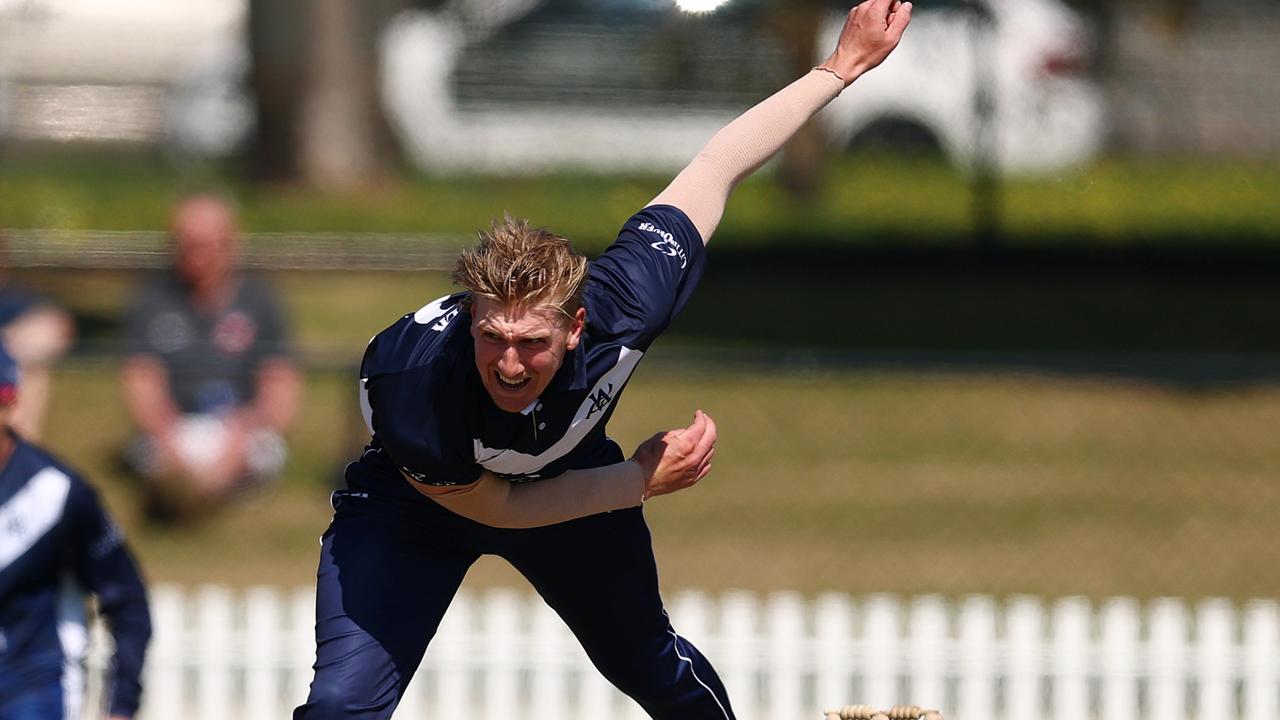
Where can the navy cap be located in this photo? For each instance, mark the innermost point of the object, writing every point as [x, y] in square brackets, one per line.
[9, 377]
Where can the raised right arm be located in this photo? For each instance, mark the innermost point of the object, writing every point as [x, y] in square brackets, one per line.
[871, 31]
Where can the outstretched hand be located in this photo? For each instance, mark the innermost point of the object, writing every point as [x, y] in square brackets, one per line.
[870, 33]
[677, 459]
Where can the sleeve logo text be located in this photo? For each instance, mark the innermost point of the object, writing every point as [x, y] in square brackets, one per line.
[667, 245]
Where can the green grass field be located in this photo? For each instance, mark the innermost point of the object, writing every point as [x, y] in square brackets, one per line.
[859, 480]
[846, 481]
[853, 480]
[826, 479]
[863, 201]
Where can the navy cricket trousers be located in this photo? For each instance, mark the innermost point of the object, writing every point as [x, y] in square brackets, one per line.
[390, 567]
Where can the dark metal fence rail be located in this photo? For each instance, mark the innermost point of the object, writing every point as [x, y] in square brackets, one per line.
[137, 250]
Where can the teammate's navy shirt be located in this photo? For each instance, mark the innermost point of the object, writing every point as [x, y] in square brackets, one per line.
[432, 419]
[56, 543]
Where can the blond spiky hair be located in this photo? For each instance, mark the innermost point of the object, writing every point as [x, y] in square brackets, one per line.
[516, 265]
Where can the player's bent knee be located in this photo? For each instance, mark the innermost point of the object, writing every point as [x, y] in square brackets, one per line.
[323, 704]
[644, 685]
[673, 682]
[330, 707]
[338, 701]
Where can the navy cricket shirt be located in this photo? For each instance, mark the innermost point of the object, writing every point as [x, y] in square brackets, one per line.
[433, 420]
[56, 544]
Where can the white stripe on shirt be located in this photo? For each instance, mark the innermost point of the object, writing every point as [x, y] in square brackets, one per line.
[31, 512]
[511, 462]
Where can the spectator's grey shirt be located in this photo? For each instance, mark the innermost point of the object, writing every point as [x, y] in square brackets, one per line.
[213, 359]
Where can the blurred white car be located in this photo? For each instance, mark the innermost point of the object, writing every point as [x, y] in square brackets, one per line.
[639, 85]
[605, 85]
[537, 85]
[1046, 114]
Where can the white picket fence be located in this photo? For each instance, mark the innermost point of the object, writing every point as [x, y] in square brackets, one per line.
[502, 655]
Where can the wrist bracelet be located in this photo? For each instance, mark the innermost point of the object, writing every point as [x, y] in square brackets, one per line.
[833, 72]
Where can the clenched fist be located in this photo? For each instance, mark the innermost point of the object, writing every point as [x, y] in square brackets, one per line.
[870, 33]
[676, 459]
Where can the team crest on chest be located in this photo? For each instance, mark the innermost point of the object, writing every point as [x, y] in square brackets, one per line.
[505, 461]
[600, 400]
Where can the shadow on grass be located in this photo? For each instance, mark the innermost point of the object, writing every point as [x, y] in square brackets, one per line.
[1190, 314]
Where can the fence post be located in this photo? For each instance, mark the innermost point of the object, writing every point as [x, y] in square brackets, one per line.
[214, 637]
[691, 619]
[262, 663]
[1261, 650]
[451, 657]
[548, 655]
[1215, 632]
[1024, 665]
[930, 646]
[739, 615]
[786, 660]
[977, 658]
[833, 633]
[882, 635]
[163, 683]
[1070, 659]
[500, 635]
[301, 630]
[1119, 659]
[214, 628]
[1166, 658]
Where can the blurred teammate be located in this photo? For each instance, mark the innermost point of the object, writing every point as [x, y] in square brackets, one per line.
[37, 334]
[488, 412]
[57, 544]
[209, 380]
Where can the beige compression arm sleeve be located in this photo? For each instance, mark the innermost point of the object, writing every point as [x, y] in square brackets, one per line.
[577, 493]
[702, 189]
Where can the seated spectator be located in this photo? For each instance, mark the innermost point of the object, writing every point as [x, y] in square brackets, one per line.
[208, 379]
[57, 544]
[37, 334]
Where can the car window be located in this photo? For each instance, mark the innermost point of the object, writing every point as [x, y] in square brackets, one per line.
[639, 54]
[945, 4]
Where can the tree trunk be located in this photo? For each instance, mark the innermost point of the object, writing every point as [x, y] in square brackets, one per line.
[276, 38]
[796, 24]
[316, 79]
